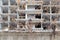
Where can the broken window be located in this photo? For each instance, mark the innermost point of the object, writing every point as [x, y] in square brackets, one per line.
[21, 24]
[5, 18]
[34, 7]
[5, 9]
[5, 2]
[46, 26]
[54, 17]
[13, 2]
[38, 7]
[54, 9]
[38, 25]
[53, 26]
[38, 16]
[22, 6]
[13, 26]
[13, 17]
[22, 15]
[4, 26]
[46, 17]
[13, 9]
[46, 9]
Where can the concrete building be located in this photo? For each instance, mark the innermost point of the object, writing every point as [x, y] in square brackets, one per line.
[29, 19]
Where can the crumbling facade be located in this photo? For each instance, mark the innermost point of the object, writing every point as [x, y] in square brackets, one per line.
[29, 15]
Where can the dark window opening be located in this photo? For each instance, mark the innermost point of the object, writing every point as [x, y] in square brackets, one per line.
[54, 10]
[38, 25]
[21, 26]
[38, 16]
[37, 6]
[46, 10]
[22, 16]
[46, 26]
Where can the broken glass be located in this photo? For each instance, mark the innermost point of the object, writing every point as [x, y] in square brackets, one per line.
[46, 9]
[38, 16]
[13, 26]
[38, 25]
[46, 26]
[54, 9]
[46, 17]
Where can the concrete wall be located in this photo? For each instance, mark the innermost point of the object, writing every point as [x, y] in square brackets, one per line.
[28, 36]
